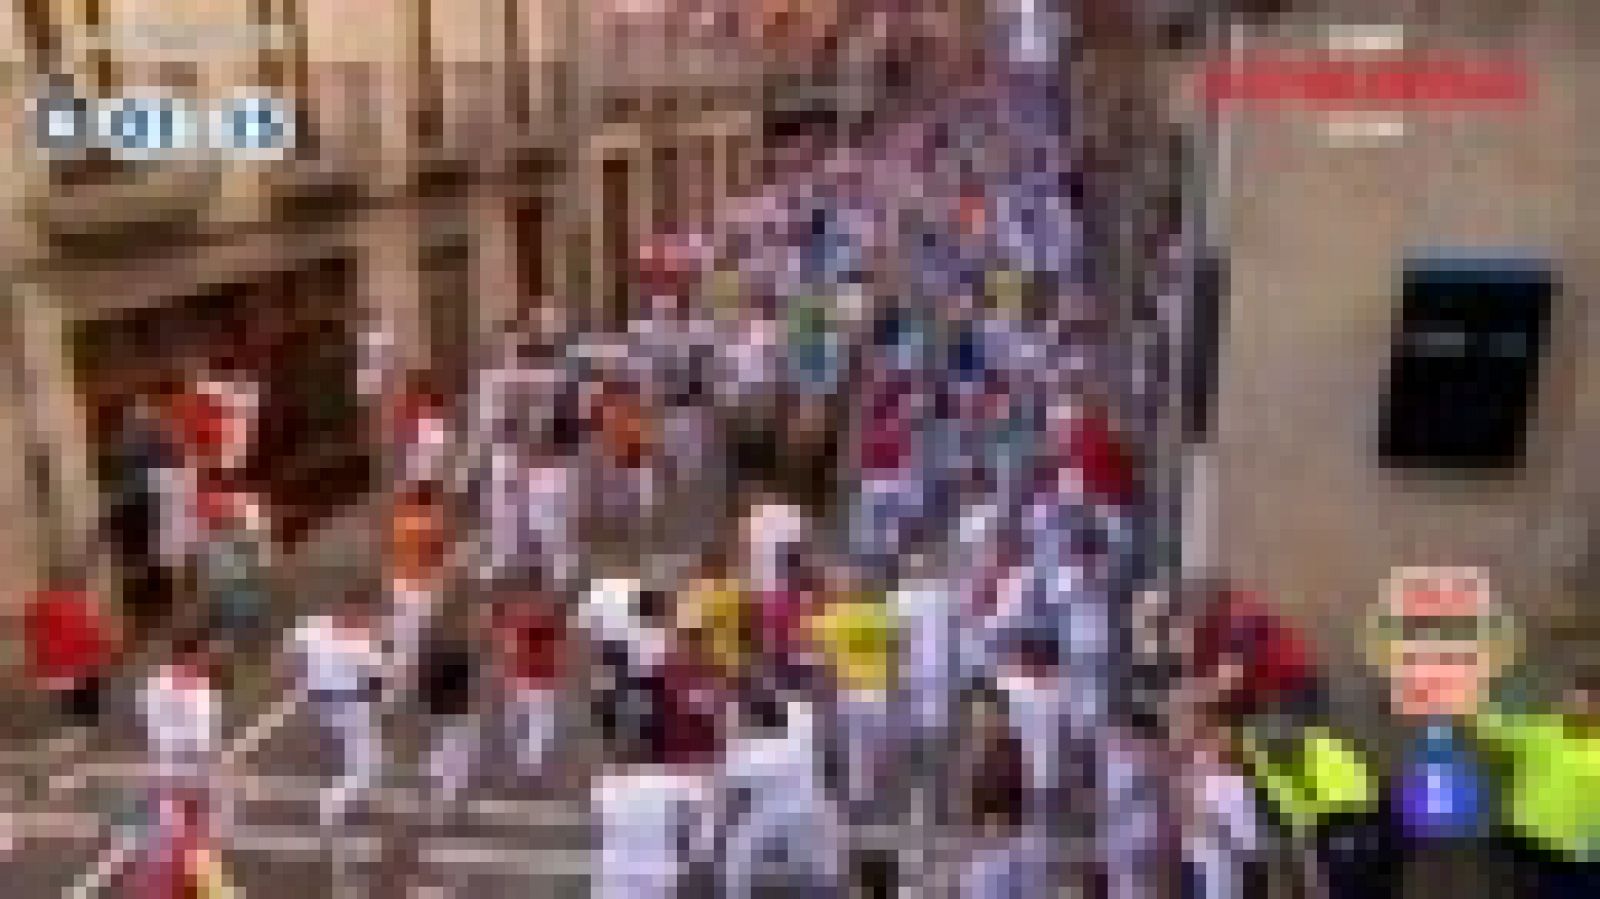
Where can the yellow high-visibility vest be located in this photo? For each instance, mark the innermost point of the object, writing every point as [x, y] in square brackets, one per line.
[1324, 775]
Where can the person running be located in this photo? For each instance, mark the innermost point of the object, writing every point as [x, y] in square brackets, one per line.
[856, 633]
[889, 490]
[533, 649]
[629, 443]
[653, 797]
[339, 664]
[784, 836]
[1030, 679]
[926, 610]
[1003, 858]
[772, 531]
[233, 557]
[715, 600]
[416, 571]
[180, 712]
[423, 433]
[449, 686]
[1222, 826]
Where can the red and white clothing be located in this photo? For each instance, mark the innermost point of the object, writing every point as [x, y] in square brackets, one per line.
[217, 510]
[549, 508]
[1086, 442]
[339, 663]
[1277, 659]
[423, 435]
[533, 643]
[645, 809]
[179, 709]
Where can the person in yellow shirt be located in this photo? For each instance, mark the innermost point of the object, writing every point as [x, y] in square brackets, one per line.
[857, 636]
[714, 602]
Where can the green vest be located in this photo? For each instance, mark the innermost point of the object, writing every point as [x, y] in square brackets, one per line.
[1553, 793]
[1322, 775]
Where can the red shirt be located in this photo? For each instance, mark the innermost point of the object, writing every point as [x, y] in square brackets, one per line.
[1108, 468]
[783, 615]
[692, 710]
[202, 423]
[412, 408]
[886, 446]
[534, 636]
[1276, 660]
[66, 640]
[973, 214]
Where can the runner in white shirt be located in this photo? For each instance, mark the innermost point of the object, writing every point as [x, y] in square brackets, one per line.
[549, 499]
[771, 529]
[178, 709]
[1222, 828]
[750, 358]
[927, 609]
[341, 668]
[782, 829]
[411, 606]
[503, 491]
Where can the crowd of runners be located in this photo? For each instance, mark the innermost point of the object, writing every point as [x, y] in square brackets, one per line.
[839, 522]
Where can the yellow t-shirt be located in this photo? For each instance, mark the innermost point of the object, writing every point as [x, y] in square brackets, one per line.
[718, 607]
[858, 639]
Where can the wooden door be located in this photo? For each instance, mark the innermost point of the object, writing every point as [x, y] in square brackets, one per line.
[314, 454]
[531, 221]
[618, 240]
[452, 325]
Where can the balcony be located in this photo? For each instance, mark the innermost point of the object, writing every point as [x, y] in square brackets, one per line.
[99, 205]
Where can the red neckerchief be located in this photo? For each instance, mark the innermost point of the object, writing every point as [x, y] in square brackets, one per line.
[188, 676]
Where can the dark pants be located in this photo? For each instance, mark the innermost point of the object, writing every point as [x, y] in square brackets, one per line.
[1541, 873]
[147, 595]
[1359, 856]
[81, 704]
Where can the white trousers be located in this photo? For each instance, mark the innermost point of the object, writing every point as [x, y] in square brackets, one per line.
[193, 771]
[646, 825]
[533, 722]
[1037, 718]
[555, 545]
[809, 841]
[354, 724]
[407, 621]
[686, 432]
[864, 720]
[452, 759]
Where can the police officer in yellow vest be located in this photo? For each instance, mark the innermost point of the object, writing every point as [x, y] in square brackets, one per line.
[1324, 792]
[1550, 803]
